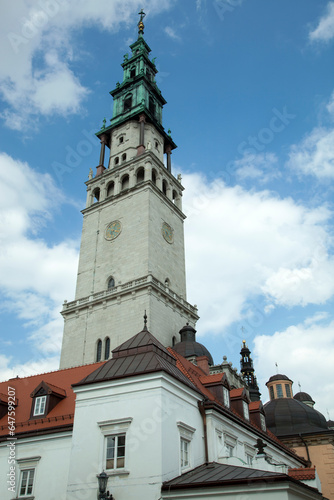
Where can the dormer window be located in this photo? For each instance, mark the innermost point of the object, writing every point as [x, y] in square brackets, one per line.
[263, 422]
[246, 410]
[40, 403]
[226, 396]
[44, 398]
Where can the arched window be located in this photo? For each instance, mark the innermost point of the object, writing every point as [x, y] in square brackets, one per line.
[111, 283]
[124, 157]
[164, 187]
[125, 182]
[99, 350]
[121, 139]
[154, 176]
[140, 175]
[110, 189]
[132, 72]
[107, 348]
[174, 195]
[173, 341]
[116, 160]
[127, 103]
[96, 195]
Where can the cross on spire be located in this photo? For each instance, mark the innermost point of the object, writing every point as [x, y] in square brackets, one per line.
[141, 24]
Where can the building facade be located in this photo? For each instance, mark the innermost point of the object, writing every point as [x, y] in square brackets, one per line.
[146, 411]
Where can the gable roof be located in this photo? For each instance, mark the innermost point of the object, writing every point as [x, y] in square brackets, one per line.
[60, 417]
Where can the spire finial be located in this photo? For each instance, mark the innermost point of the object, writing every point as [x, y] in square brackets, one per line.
[145, 321]
[141, 24]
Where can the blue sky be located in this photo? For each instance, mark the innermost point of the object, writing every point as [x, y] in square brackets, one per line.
[250, 94]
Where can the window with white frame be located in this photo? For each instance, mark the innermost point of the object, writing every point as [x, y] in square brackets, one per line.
[246, 410]
[184, 445]
[26, 482]
[186, 435]
[27, 476]
[230, 443]
[113, 447]
[226, 396]
[115, 452]
[39, 408]
[263, 422]
[249, 454]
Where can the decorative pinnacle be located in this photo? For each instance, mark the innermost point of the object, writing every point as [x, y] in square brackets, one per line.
[141, 24]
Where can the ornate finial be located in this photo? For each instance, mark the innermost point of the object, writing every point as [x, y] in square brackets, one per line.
[169, 132]
[104, 123]
[145, 321]
[141, 24]
[260, 445]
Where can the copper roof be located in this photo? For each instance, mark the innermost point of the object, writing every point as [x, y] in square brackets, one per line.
[215, 474]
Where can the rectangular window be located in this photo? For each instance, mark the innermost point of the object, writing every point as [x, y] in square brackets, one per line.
[246, 410]
[115, 456]
[271, 390]
[249, 459]
[39, 408]
[226, 395]
[229, 449]
[263, 422]
[279, 390]
[26, 482]
[287, 391]
[184, 453]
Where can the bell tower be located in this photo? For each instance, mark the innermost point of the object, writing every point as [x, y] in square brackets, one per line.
[132, 246]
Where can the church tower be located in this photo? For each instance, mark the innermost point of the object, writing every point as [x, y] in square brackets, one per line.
[132, 247]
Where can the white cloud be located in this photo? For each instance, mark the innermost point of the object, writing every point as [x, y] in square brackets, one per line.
[303, 353]
[324, 31]
[38, 50]
[171, 33]
[239, 245]
[261, 167]
[35, 277]
[43, 365]
[315, 154]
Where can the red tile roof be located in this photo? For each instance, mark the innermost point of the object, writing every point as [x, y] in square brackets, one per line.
[237, 393]
[212, 379]
[255, 405]
[61, 415]
[302, 473]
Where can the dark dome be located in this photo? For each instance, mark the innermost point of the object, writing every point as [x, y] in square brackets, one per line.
[289, 417]
[278, 377]
[189, 348]
[303, 396]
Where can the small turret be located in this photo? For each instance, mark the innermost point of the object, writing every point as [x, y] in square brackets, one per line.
[247, 371]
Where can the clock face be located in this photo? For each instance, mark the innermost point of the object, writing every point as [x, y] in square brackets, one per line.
[113, 230]
[167, 232]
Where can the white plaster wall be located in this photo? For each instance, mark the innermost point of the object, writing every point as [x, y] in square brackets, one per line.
[155, 404]
[217, 424]
[140, 249]
[51, 471]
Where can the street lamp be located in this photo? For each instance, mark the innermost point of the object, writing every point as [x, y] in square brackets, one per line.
[103, 481]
